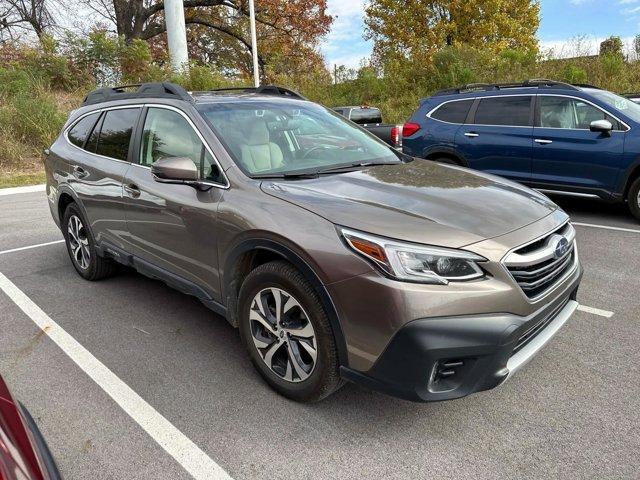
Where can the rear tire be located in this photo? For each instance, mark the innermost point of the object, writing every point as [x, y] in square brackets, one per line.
[287, 333]
[633, 198]
[81, 247]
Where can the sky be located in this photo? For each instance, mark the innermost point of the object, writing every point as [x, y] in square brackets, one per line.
[561, 22]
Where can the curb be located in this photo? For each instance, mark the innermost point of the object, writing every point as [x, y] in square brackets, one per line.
[27, 189]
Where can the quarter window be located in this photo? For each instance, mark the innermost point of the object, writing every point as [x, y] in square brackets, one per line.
[570, 113]
[453, 112]
[509, 111]
[167, 134]
[81, 130]
[115, 134]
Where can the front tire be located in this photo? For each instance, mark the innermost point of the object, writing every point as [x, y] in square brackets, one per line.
[633, 198]
[287, 333]
[81, 247]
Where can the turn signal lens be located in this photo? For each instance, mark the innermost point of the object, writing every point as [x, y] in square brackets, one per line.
[369, 249]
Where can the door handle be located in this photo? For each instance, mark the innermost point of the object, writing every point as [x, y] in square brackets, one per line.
[471, 134]
[543, 142]
[80, 172]
[132, 190]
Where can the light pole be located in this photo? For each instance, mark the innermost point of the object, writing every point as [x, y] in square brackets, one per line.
[176, 34]
[254, 46]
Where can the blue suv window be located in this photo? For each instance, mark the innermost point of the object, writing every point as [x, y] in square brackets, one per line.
[571, 113]
[453, 112]
[509, 111]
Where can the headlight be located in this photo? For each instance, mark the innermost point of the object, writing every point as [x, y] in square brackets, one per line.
[415, 263]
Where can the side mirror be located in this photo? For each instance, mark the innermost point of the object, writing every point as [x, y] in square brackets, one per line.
[602, 126]
[174, 170]
[178, 170]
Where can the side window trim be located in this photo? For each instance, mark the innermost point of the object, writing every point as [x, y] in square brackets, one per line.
[102, 112]
[474, 102]
[625, 128]
[138, 145]
[89, 133]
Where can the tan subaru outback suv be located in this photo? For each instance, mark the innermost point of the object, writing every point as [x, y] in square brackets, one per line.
[337, 257]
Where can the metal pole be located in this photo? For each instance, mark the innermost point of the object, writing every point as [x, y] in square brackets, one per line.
[254, 46]
[176, 34]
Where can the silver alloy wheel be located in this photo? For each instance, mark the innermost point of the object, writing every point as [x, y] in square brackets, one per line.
[78, 242]
[283, 334]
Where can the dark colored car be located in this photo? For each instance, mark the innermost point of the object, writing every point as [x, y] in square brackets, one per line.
[370, 118]
[337, 257]
[634, 97]
[555, 137]
[24, 455]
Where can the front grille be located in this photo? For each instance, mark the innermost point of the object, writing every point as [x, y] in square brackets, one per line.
[537, 266]
[540, 325]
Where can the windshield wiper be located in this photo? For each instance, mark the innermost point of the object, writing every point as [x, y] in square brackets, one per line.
[351, 166]
[321, 171]
[292, 175]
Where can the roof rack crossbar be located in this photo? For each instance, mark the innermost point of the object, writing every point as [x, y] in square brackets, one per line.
[486, 87]
[171, 90]
[263, 90]
[142, 90]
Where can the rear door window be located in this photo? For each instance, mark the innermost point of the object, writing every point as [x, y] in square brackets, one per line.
[115, 134]
[508, 111]
[80, 131]
[453, 112]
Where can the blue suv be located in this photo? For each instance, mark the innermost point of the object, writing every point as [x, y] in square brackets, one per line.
[553, 136]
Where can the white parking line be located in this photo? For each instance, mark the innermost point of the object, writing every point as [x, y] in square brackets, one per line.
[27, 189]
[595, 311]
[3, 252]
[605, 227]
[197, 463]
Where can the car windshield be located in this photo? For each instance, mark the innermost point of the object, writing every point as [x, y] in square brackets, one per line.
[624, 105]
[270, 138]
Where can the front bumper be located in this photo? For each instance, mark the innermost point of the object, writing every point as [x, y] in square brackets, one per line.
[450, 357]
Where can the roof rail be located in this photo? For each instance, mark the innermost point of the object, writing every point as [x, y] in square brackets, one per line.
[261, 90]
[142, 90]
[485, 87]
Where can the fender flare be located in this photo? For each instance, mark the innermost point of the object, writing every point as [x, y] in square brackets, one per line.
[66, 189]
[298, 262]
[447, 150]
[625, 176]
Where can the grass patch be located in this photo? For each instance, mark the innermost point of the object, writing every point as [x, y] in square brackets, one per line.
[18, 179]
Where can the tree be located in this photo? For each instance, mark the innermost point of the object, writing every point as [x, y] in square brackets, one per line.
[636, 46]
[25, 15]
[218, 29]
[427, 26]
[611, 46]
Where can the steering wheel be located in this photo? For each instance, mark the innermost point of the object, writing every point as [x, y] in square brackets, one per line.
[313, 149]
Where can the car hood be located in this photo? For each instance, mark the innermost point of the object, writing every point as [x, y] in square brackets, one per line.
[420, 201]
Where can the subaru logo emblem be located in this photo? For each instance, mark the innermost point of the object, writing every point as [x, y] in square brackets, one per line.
[562, 247]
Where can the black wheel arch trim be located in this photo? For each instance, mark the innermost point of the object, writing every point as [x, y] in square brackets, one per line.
[445, 150]
[66, 189]
[626, 178]
[298, 262]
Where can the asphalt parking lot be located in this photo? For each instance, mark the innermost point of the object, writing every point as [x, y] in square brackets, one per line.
[572, 413]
